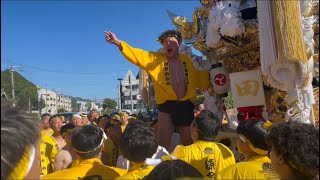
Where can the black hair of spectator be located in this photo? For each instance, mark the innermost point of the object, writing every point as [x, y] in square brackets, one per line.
[44, 115]
[66, 127]
[170, 33]
[298, 145]
[138, 142]
[173, 169]
[253, 130]
[208, 125]
[18, 131]
[54, 116]
[87, 138]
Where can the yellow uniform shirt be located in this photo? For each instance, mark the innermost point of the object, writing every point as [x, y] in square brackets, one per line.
[88, 169]
[258, 167]
[157, 66]
[207, 157]
[137, 171]
[48, 150]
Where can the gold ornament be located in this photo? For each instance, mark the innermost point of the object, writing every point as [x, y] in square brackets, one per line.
[316, 105]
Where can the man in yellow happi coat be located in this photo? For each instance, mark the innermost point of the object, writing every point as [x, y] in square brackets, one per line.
[175, 81]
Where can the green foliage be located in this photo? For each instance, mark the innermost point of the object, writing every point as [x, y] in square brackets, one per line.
[88, 104]
[62, 110]
[198, 101]
[109, 104]
[23, 90]
[228, 102]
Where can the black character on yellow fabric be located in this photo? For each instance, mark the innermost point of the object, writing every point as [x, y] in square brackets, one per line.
[211, 174]
[209, 164]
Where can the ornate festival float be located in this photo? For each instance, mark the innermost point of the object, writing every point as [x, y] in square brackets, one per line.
[265, 54]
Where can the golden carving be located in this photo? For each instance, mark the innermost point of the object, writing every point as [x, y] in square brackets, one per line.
[316, 105]
[276, 104]
[246, 61]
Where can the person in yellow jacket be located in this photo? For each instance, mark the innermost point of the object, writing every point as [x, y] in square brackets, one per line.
[138, 142]
[50, 145]
[45, 125]
[251, 142]
[87, 142]
[175, 81]
[207, 156]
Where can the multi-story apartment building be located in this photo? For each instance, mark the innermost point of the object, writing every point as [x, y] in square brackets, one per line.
[54, 101]
[130, 89]
[82, 106]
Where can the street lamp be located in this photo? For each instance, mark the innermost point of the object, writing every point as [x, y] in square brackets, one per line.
[119, 102]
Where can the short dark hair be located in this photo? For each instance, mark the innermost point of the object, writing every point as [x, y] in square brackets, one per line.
[87, 138]
[66, 127]
[44, 115]
[170, 33]
[19, 130]
[54, 116]
[253, 130]
[208, 125]
[298, 145]
[173, 169]
[138, 142]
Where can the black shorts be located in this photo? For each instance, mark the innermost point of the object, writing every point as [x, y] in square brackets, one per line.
[181, 112]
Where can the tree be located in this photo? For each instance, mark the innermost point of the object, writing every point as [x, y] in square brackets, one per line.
[62, 110]
[228, 102]
[198, 101]
[88, 105]
[109, 103]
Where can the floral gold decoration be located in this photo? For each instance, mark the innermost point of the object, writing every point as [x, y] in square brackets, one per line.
[316, 105]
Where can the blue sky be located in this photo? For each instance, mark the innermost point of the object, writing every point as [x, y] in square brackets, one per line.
[62, 43]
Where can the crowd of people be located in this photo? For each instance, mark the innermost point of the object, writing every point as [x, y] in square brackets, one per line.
[120, 146]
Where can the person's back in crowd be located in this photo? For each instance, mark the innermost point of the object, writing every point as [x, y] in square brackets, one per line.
[20, 137]
[66, 155]
[111, 152]
[294, 150]
[138, 142]
[173, 169]
[206, 156]
[87, 142]
[161, 151]
[251, 143]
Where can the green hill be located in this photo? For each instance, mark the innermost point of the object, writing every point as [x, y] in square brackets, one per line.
[23, 89]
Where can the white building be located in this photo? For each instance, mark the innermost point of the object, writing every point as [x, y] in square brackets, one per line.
[82, 106]
[54, 101]
[128, 92]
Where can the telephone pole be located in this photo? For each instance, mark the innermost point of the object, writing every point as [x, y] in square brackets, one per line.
[13, 69]
[119, 101]
[131, 94]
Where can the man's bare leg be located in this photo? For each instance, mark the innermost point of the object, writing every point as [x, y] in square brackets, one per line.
[185, 135]
[165, 129]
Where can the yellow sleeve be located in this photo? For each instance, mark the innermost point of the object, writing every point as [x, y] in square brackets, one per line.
[203, 79]
[226, 159]
[178, 152]
[137, 56]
